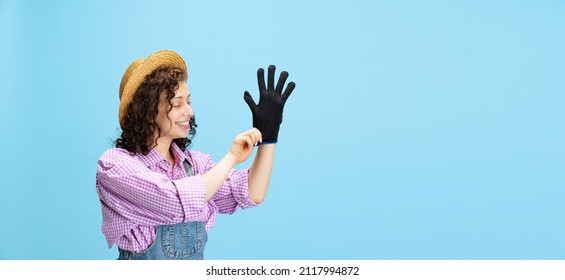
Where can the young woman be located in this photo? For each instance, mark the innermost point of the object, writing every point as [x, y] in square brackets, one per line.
[159, 199]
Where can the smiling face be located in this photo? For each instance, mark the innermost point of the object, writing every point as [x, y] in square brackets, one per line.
[173, 118]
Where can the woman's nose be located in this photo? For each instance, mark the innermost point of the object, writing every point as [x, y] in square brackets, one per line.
[188, 111]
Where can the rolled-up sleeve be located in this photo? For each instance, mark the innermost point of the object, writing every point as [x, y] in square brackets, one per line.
[234, 193]
[146, 197]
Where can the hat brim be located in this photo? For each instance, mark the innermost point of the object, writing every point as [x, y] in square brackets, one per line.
[139, 70]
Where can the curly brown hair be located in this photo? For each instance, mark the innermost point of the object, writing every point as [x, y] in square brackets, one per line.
[138, 129]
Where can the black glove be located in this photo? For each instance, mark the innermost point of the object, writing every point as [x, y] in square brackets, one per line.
[268, 115]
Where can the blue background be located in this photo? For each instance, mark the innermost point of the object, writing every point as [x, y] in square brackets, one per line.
[417, 130]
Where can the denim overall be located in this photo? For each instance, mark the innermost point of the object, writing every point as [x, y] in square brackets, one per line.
[182, 241]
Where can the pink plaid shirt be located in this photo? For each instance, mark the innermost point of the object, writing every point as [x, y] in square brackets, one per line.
[140, 192]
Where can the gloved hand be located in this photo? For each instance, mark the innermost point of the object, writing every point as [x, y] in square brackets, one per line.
[268, 114]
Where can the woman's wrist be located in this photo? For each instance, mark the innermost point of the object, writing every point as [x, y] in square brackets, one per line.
[230, 159]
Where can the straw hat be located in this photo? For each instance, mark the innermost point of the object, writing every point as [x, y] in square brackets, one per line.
[138, 70]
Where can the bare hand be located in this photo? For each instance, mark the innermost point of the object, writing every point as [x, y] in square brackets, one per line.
[244, 143]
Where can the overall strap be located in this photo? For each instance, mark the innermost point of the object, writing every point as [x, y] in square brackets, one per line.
[188, 168]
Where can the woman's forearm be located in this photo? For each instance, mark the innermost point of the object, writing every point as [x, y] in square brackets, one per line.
[240, 150]
[260, 172]
[215, 177]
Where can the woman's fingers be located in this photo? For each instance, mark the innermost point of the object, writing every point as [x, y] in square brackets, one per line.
[259, 134]
[244, 143]
[244, 140]
[254, 134]
[250, 143]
